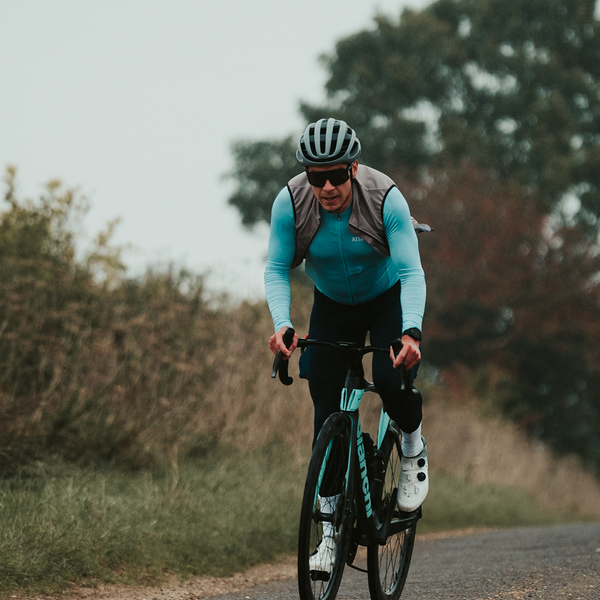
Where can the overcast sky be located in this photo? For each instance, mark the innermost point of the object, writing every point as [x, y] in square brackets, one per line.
[137, 102]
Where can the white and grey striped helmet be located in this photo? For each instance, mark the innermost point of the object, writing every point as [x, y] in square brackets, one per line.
[328, 142]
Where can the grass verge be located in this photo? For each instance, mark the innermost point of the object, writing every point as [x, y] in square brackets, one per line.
[214, 516]
[453, 503]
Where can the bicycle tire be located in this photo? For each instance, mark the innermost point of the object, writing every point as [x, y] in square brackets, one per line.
[388, 565]
[328, 473]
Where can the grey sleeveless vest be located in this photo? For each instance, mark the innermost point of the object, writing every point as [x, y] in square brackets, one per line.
[369, 190]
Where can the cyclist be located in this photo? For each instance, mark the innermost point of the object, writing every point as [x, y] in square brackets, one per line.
[353, 227]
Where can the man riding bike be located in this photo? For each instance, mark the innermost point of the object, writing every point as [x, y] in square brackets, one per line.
[353, 227]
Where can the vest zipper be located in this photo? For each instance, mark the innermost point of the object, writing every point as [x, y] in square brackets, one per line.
[341, 238]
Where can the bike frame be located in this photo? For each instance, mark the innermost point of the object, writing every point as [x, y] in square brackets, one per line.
[353, 391]
[352, 394]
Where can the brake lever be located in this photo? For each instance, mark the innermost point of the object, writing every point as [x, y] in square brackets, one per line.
[402, 370]
[280, 365]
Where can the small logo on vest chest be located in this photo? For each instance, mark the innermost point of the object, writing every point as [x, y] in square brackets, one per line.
[357, 238]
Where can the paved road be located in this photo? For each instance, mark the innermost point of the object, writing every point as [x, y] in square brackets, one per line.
[551, 563]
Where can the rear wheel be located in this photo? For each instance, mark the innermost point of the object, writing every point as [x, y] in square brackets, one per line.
[327, 515]
[388, 565]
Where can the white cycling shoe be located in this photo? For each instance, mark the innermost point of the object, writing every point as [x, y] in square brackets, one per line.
[414, 481]
[322, 559]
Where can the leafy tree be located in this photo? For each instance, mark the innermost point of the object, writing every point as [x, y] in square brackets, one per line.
[514, 292]
[512, 87]
[513, 84]
[262, 170]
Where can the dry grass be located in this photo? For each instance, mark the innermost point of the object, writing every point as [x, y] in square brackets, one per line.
[466, 442]
[245, 406]
[486, 449]
[176, 379]
[149, 372]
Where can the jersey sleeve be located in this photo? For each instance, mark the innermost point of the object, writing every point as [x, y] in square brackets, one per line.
[282, 247]
[404, 251]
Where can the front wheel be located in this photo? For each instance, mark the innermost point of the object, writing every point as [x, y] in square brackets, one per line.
[327, 515]
[388, 565]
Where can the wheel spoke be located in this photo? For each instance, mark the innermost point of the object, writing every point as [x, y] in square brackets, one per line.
[326, 520]
[388, 564]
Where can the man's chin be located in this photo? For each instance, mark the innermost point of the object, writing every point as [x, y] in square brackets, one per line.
[330, 203]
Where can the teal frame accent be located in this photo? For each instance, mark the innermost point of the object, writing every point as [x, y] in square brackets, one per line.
[384, 421]
[351, 404]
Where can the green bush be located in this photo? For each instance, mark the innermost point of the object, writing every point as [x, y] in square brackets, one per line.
[93, 365]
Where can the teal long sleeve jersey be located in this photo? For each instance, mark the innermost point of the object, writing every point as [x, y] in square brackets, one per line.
[342, 265]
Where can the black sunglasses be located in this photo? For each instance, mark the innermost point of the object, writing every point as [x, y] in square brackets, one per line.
[335, 177]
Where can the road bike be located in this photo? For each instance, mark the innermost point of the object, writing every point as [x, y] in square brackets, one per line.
[350, 495]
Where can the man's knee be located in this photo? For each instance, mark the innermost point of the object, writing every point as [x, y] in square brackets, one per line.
[405, 409]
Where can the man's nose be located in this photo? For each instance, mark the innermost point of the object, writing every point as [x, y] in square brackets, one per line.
[328, 186]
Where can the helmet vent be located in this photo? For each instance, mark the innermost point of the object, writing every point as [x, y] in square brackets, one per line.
[328, 142]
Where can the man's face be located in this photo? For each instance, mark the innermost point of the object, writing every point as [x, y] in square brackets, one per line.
[334, 198]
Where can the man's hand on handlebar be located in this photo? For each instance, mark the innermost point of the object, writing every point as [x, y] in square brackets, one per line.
[410, 354]
[276, 343]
